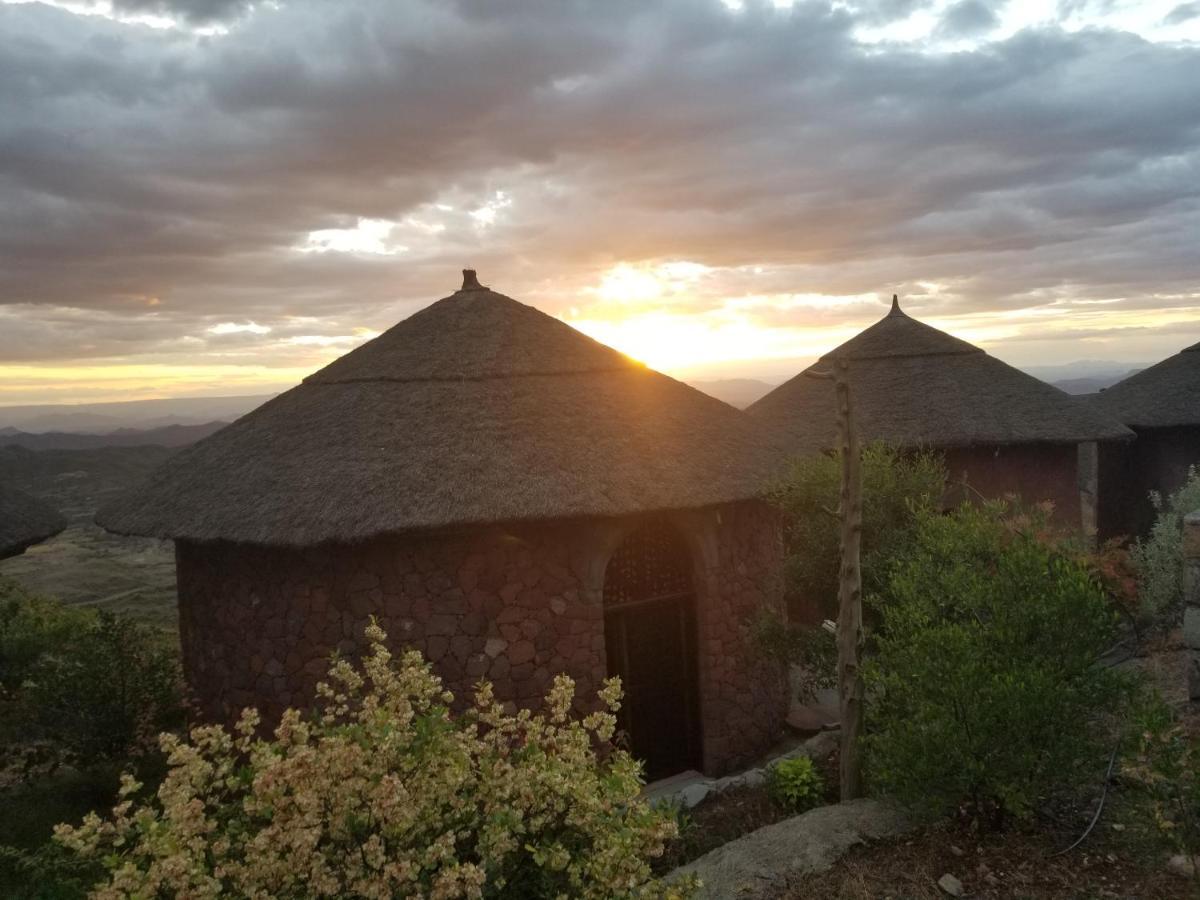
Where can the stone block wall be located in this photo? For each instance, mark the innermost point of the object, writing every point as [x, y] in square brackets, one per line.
[1191, 599]
[514, 605]
[1034, 472]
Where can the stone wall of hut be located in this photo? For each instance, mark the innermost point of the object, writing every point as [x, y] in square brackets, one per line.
[514, 605]
[1157, 460]
[1034, 472]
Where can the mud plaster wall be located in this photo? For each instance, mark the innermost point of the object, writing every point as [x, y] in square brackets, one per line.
[513, 605]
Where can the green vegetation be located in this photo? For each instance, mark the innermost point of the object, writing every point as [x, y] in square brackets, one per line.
[985, 687]
[82, 696]
[795, 784]
[897, 486]
[1165, 764]
[1158, 558]
[385, 793]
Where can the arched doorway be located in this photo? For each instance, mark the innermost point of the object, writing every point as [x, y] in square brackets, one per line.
[650, 642]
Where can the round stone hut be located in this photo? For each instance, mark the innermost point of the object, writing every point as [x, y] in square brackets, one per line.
[25, 520]
[1002, 431]
[504, 493]
[1162, 406]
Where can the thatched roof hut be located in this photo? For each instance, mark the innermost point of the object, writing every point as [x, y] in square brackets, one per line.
[1166, 395]
[916, 386]
[25, 521]
[1162, 405]
[503, 493]
[1002, 431]
[476, 409]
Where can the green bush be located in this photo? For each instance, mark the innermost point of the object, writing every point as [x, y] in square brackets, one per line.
[31, 628]
[1165, 764]
[897, 484]
[383, 793]
[985, 687]
[795, 784]
[82, 687]
[1158, 558]
[813, 649]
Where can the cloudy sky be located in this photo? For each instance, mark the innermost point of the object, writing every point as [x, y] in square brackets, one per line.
[217, 196]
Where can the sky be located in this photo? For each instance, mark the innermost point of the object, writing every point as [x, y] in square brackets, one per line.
[204, 197]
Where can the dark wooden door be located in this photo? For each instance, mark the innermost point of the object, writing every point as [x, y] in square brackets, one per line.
[649, 629]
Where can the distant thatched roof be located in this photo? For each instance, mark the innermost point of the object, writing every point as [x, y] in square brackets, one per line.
[25, 520]
[475, 409]
[1164, 395]
[915, 386]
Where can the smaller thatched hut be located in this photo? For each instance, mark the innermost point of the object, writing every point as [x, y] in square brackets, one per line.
[1162, 406]
[504, 493]
[1003, 431]
[25, 521]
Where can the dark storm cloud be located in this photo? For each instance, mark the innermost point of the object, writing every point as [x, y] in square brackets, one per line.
[162, 179]
[967, 18]
[201, 12]
[1184, 12]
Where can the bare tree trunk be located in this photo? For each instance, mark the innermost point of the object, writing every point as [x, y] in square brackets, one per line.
[849, 625]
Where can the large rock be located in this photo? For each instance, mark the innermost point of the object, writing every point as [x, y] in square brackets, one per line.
[759, 863]
[1191, 627]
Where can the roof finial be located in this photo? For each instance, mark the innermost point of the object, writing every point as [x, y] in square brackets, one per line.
[470, 282]
[896, 310]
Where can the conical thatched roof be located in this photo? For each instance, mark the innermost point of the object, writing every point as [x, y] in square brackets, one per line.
[475, 409]
[915, 386]
[1162, 396]
[25, 520]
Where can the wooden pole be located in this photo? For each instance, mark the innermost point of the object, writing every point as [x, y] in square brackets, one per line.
[849, 624]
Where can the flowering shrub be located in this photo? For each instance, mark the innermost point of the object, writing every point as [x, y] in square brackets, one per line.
[795, 784]
[383, 793]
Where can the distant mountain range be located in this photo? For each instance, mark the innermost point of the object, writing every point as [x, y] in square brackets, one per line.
[106, 418]
[1093, 384]
[168, 436]
[176, 422]
[739, 392]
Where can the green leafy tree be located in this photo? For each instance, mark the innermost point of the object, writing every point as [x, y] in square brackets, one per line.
[897, 486]
[985, 687]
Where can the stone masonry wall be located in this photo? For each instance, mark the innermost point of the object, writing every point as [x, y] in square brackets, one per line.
[515, 606]
[1034, 472]
[743, 700]
[1191, 599]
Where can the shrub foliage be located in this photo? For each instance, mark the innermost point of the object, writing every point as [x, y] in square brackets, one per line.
[985, 687]
[81, 686]
[383, 793]
[897, 484]
[795, 784]
[1158, 558]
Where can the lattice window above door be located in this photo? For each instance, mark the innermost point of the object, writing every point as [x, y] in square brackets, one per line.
[652, 563]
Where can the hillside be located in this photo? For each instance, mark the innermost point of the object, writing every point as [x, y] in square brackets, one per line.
[85, 564]
[167, 436]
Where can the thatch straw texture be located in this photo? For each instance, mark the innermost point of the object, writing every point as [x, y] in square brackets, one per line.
[476, 409]
[915, 386]
[1165, 395]
[25, 520]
